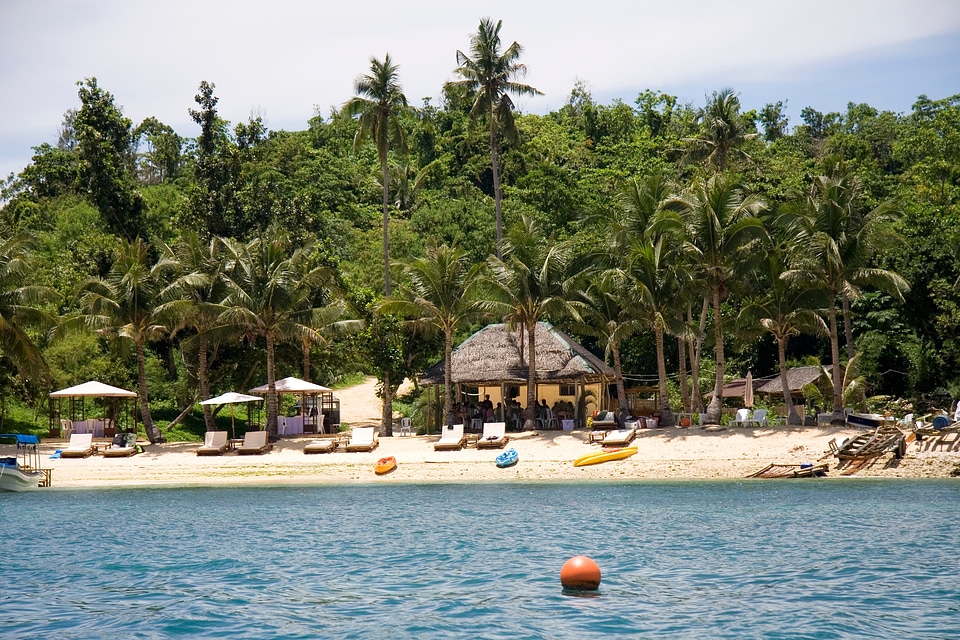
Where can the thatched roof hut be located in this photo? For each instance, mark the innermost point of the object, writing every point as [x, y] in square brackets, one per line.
[495, 355]
[797, 379]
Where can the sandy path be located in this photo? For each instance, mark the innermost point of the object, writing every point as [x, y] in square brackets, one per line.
[359, 404]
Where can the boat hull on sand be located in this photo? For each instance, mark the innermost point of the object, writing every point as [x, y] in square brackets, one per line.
[12, 478]
[508, 458]
[385, 465]
[604, 456]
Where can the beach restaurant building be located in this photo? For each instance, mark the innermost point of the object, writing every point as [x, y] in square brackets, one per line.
[493, 361]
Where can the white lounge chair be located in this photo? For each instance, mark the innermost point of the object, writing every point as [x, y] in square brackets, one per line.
[494, 436]
[363, 439]
[322, 445]
[759, 418]
[254, 443]
[214, 443]
[742, 418]
[128, 448]
[451, 438]
[81, 446]
[619, 437]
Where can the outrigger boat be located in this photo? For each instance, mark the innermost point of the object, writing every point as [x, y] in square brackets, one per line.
[22, 472]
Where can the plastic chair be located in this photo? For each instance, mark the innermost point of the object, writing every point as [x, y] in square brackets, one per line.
[405, 426]
[759, 418]
[742, 418]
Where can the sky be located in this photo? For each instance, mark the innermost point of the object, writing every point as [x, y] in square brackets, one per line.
[286, 60]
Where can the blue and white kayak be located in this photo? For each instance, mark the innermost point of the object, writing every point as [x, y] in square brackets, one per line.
[508, 458]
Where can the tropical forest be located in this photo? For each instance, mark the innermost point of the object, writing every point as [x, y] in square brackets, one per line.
[684, 244]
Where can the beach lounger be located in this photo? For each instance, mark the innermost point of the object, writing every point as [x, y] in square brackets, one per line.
[323, 445]
[604, 419]
[81, 446]
[214, 443]
[363, 439]
[254, 443]
[619, 437]
[494, 436]
[127, 448]
[451, 438]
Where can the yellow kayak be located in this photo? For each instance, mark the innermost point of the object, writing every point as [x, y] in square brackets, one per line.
[604, 456]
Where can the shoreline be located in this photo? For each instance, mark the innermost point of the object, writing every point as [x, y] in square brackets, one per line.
[664, 454]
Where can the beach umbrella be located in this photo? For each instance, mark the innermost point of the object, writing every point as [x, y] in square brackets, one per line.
[232, 398]
[748, 391]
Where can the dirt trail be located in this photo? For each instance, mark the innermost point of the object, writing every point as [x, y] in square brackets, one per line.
[359, 404]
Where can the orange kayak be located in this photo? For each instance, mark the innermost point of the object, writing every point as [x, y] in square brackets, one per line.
[385, 465]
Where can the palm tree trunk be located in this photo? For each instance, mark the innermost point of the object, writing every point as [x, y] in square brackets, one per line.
[153, 433]
[848, 326]
[387, 416]
[447, 376]
[305, 346]
[204, 376]
[495, 167]
[618, 371]
[792, 416]
[271, 389]
[530, 417]
[716, 403]
[666, 413]
[684, 383]
[696, 349]
[838, 417]
[386, 224]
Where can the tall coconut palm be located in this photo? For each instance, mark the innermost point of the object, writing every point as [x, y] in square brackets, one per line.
[724, 132]
[126, 305]
[721, 225]
[491, 74]
[784, 308]
[20, 306]
[269, 296]
[440, 291]
[531, 283]
[379, 103]
[838, 243]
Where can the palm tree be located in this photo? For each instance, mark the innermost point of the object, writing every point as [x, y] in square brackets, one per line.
[724, 132]
[838, 242]
[19, 306]
[784, 308]
[379, 103]
[721, 226]
[269, 296]
[440, 291]
[529, 284]
[194, 297]
[491, 73]
[126, 305]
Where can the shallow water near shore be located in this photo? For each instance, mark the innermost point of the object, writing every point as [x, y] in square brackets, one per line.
[731, 559]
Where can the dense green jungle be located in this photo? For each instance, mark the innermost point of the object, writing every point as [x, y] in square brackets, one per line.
[185, 266]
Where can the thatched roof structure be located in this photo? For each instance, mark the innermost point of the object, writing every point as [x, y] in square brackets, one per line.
[496, 355]
[797, 379]
[738, 387]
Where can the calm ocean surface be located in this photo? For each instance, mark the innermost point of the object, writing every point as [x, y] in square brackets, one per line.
[752, 559]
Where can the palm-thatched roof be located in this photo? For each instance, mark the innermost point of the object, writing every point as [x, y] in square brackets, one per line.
[736, 388]
[797, 379]
[495, 355]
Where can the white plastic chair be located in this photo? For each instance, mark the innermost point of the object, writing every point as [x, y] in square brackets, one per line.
[405, 426]
[759, 418]
[741, 419]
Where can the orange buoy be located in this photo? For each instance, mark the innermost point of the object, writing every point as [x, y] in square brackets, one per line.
[580, 572]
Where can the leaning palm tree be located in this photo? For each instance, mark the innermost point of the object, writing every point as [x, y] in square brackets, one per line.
[379, 103]
[722, 231]
[20, 306]
[531, 282]
[269, 296]
[490, 73]
[126, 305]
[440, 291]
[838, 243]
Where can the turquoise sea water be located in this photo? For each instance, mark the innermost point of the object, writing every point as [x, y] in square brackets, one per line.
[751, 559]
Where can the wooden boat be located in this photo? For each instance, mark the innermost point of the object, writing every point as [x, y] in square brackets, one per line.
[508, 458]
[385, 465]
[16, 472]
[870, 420]
[808, 470]
[873, 445]
[604, 456]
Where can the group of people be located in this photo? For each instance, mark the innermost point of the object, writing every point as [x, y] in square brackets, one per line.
[512, 414]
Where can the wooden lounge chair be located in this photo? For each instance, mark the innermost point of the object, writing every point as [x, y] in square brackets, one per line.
[451, 438]
[363, 439]
[619, 437]
[323, 445]
[214, 443]
[254, 443]
[117, 450]
[604, 419]
[81, 446]
[494, 436]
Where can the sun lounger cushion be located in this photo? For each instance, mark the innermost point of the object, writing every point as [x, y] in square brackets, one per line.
[493, 436]
[325, 445]
[214, 443]
[81, 446]
[619, 437]
[363, 439]
[451, 438]
[254, 442]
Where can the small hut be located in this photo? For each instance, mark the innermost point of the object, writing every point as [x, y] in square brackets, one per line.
[494, 361]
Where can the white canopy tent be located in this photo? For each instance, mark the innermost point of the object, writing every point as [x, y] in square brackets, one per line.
[232, 398]
[78, 409]
[327, 405]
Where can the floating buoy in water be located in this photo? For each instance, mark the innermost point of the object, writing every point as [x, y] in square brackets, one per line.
[580, 572]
